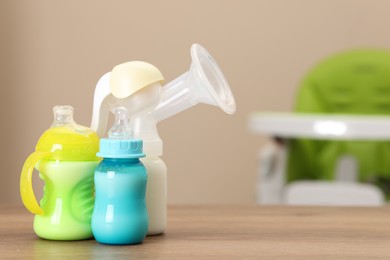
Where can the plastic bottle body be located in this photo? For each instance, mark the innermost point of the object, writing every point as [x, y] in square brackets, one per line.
[156, 194]
[67, 201]
[120, 215]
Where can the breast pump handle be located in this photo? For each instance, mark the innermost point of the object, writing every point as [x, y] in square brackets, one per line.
[116, 88]
[101, 108]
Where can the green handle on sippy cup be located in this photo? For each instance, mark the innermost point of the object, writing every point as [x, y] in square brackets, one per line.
[26, 188]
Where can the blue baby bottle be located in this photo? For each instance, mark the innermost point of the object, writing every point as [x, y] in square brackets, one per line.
[120, 215]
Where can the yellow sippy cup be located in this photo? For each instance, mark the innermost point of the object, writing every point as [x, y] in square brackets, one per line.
[65, 157]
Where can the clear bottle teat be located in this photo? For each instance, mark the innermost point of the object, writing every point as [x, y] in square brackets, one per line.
[63, 115]
[121, 128]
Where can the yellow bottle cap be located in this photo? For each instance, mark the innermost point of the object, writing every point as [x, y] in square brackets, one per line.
[69, 143]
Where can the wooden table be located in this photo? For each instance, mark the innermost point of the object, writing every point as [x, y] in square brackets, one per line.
[226, 232]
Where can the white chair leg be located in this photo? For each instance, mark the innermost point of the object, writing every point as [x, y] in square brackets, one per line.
[271, 175]
[346, 169]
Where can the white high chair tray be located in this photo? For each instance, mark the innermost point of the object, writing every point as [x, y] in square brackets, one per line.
[321, 126]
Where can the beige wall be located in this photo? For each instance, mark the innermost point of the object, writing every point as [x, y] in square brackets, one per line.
[53, 52]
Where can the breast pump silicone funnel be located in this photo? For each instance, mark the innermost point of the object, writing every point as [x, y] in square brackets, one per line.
[203, 83]
[137, 87]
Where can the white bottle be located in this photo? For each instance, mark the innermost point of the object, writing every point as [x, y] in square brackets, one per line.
[156, 193]
[144, 127]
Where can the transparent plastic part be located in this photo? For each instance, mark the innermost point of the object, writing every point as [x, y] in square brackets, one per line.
[121, 128]
[203, 83]
[63, 115]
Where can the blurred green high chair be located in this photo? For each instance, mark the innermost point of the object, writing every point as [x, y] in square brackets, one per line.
[335, 148]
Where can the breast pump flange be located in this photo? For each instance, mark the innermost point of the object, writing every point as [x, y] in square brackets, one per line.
[137, 87]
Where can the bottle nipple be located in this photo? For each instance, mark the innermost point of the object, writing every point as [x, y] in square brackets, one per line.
[121, 128]
[63, 115]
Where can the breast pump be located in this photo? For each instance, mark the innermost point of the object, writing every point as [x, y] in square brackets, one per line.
[137, 86]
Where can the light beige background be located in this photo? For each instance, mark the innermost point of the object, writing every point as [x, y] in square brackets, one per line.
[53, 52]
